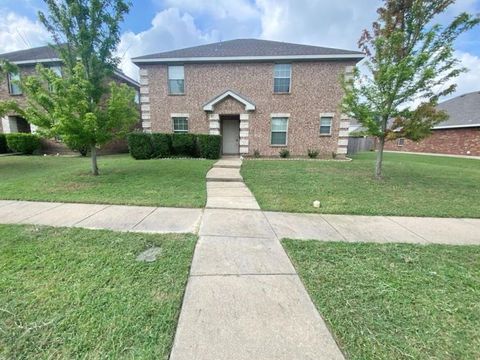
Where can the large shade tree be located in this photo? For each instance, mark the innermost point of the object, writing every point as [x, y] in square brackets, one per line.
[83, 106]
[409, 65]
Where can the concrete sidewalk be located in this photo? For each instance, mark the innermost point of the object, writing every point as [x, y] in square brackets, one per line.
[111, 217]
[378, 229]
[351, 228]
[244, 299]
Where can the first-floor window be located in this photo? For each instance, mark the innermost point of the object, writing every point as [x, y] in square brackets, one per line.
[400, 142]
[180, 125]
[279, 131]
[326, 125]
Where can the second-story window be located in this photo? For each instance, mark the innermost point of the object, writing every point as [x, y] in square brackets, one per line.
[176, 80]
[57, 71]
[13, 84]
[281, 78]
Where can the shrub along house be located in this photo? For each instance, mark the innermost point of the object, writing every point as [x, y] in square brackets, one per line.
[261, 96]
[459, 135]
[27, 60]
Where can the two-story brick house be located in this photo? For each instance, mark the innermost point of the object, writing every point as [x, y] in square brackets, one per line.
[27, 60]
[259, 95]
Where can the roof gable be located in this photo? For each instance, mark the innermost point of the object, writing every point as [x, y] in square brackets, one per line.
[48, 55]
[249, 106]
[249, 49]
[463, 111]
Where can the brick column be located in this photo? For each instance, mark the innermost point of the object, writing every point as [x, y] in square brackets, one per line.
[343, 135]
[145, 101]
[244, 126]
[214, 124]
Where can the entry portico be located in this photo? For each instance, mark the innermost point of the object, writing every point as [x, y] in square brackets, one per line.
[229, 117]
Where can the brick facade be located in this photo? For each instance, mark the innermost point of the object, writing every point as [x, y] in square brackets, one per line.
[460, 141]
[51, 146]
[315, 90]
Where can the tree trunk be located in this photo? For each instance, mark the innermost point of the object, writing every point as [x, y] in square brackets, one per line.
[93, 154]
[378, 165]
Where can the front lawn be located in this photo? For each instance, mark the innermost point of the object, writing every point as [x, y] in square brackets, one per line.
[81, 294]
[414, 185]
[122, 180]
[395, 301]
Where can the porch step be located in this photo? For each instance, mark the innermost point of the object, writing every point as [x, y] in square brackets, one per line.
[224, 174]
[228, 163]
[219, 179]
[227, 166]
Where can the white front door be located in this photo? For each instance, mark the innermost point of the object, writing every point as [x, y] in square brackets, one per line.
[231, 136]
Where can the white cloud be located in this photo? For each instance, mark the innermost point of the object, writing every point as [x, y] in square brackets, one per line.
[218, 9]
[335, 23]
[469, 81]
[18, 33]
[170, 30]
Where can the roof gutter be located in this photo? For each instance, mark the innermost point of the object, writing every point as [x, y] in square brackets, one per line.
[455, 126]
[249, 58]
[53, 60]
[29, 62]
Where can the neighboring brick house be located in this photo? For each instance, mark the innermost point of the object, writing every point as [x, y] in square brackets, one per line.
[459, 135]
[27, 60]
[259, 95]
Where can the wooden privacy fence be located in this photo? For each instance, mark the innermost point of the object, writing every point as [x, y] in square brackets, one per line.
[358, 144]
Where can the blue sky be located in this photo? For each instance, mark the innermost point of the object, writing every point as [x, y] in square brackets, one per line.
[160, 25]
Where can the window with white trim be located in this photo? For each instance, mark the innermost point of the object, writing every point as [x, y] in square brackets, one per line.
[326, 125]
[279, 131]
[176, 79]
[57, 70]
[13, 84]
[282, 74]
[400, 142]
[180, 125]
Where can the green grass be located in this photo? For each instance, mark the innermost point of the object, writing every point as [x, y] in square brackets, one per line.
[78, 294]
[414, 185]
[395, 301]
[122, 180]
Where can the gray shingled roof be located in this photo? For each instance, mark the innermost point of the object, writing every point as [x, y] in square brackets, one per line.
[249, 47]
[33, 55]
[463, 110]
[38, 53]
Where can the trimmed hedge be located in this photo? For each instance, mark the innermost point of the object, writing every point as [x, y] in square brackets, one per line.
[159, 145]
[140, 145]
[3, 144]
[162, 145]
[184, 145]
[23, 142]
[209, 146]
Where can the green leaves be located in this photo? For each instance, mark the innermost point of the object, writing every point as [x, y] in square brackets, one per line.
[65, 109]
[410, 61]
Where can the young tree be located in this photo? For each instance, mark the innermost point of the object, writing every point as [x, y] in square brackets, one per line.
[83, 107]
[409, 61]
[61, 106]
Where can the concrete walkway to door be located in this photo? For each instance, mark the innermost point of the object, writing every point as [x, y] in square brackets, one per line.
[244, 299]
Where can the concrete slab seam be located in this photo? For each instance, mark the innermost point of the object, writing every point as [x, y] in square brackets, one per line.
[139, 222]
[334, 228]
[410, 231]
[244, 274]
[41, 212]
[89, 216]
